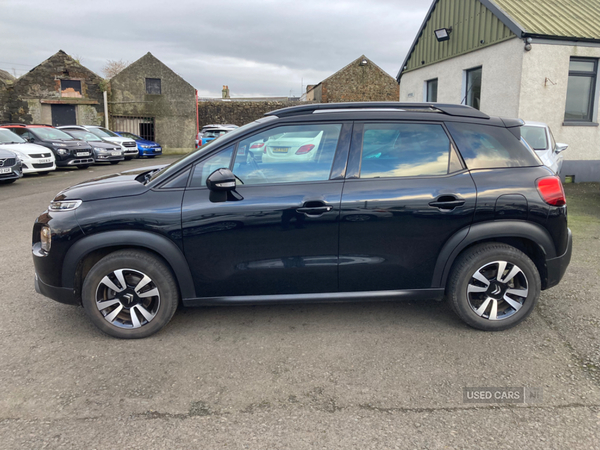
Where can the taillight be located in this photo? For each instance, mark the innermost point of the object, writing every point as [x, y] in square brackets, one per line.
[304, 149]
[259, 145]
[551, 190]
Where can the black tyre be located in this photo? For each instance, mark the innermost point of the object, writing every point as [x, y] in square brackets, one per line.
[493, 286]
[114, 162]
[130, 294]
[83, 166]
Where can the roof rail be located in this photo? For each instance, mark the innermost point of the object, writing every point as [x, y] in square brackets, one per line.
[25, 124]
[445, 108]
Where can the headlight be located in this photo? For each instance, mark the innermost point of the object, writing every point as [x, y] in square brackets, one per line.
[62, 151]
[58, 144]
[65, 205]
[144, 146]
[46, 238]
[101, 150]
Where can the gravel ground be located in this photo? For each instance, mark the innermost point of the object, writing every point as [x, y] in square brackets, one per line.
[366, 375]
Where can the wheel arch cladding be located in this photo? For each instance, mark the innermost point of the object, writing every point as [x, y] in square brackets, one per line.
[160, 245]
[498, 230]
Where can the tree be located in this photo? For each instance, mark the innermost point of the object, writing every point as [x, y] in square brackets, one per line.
[112, 67]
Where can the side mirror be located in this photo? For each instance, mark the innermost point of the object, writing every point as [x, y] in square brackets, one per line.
[221, 180]
[222, 184]
[31, 140]
[561, 147]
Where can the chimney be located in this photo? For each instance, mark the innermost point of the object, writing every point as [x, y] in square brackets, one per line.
[225, 92]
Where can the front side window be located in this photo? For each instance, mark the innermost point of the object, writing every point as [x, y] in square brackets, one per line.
[473, 88]
[432, 90]
[581, 89]
[204, 168]
[153, 86]
[287, 154]
[404, 150]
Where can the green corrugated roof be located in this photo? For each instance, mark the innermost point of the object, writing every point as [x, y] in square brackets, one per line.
[564, 18]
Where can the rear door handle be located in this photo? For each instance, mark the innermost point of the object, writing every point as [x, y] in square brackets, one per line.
[447, 202]
[314, 210]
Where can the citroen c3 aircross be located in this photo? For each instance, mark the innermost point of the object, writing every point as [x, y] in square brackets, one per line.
[395, 201]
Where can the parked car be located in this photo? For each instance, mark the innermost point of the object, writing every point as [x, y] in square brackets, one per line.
[34, 158]
[104, 151]
[68, 151]
[211, 132]
[145, 147]
[539, 136]
[10, 167]
[128, 146]
[459, 208]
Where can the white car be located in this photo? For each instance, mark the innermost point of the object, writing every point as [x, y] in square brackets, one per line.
[294, 146]
[540, 138]
[128, 145]
[35, 158]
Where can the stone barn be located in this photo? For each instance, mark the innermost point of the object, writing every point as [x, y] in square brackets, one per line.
[148, 99]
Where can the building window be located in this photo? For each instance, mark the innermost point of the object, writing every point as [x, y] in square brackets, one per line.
[472, 95]
[581, 89]
[432, 89]
[70, 88]
[153, 86]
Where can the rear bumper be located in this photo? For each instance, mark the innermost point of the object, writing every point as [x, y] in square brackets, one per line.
[61, 295]
[557, 266]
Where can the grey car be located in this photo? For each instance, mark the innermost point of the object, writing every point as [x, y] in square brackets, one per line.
[10, 167]
[103, 151]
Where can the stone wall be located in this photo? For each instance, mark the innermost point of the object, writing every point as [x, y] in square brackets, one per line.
[173, 110]
[360, 81]
[237, 112]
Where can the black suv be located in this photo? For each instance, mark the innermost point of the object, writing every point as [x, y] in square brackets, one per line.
[68, 151]
[349, 201]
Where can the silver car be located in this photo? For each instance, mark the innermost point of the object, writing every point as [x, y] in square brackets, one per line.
[540, 138]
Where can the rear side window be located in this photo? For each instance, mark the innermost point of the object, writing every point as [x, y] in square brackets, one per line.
[487, 147]
[405, 150]
[535, 137]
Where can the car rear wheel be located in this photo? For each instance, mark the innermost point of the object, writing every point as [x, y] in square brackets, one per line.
[130, 294]
[493, 286]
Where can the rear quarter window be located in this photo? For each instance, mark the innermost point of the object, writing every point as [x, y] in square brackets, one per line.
[488, 147]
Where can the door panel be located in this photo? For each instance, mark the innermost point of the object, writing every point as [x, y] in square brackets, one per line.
[390, 236]
[262, 245]
[63, 115]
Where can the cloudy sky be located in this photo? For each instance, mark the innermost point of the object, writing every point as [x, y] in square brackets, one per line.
[256, 47]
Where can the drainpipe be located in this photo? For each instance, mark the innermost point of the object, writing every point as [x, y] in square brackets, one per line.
[197, 118]
[105, 95]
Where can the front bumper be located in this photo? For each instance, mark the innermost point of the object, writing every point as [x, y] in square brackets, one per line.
[61, 295]
[99, 157]
[557, 267]
[34, 166]
[129, 151]
[150, 151]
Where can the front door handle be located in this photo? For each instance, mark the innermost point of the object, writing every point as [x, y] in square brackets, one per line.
[314, 208]
[448, 202]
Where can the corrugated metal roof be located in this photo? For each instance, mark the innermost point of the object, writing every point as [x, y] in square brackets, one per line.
[473, 27]
[564, 18]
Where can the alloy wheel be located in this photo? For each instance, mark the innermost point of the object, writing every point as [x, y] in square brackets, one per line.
[127, 298]
[497, 290]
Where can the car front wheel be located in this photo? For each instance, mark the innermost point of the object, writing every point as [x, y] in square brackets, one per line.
[130, 294]
[493, 286]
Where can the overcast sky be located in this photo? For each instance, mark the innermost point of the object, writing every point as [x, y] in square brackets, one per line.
[256, 47]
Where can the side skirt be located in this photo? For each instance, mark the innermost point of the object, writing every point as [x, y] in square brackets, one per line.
[331, 297]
